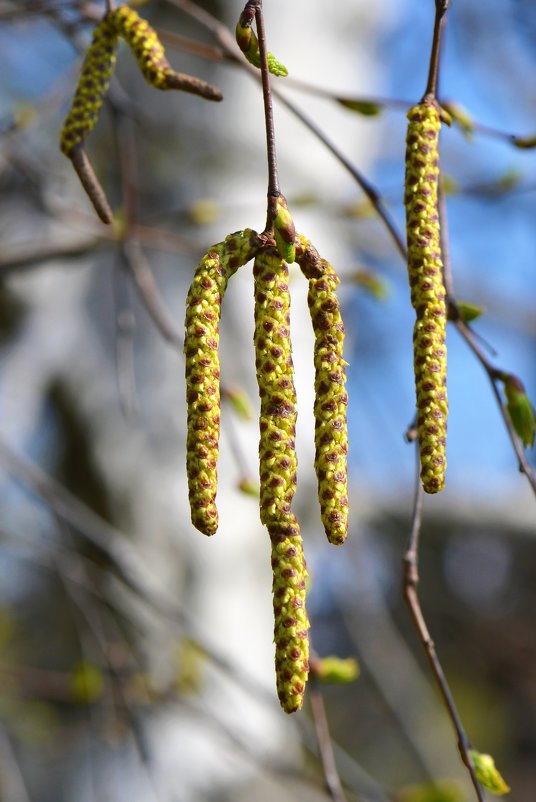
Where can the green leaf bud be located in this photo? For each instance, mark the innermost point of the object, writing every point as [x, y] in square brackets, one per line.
[469, 312]
[520, 410]
[335, 670]
[284, 232]
[487, 774]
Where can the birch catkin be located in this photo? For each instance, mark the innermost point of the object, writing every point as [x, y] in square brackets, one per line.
[291, 624]
[149, 53]
[92, 86]
[277, 465]
[203, 372]
[331, 399]
[273, 359]
[427, 291]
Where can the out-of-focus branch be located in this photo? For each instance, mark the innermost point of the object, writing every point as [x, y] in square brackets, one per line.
[410, 588]
[325, 745]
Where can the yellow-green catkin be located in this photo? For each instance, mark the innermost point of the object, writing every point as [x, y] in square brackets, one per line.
[149, 53]
[291, 624]
[278, 464]
[331, 399]
[273, 359]
[425, 270]
[92, 86]
[203, 310]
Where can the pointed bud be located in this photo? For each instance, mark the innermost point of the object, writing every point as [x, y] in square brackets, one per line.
[248, 487]
[243, 36]
[469, 312]
[520, 409]
[284, 232]
[460, 116]
[371, 282]
[239, 401]
[335, 671]
[524, 142]
[364, 107]
[487, 774]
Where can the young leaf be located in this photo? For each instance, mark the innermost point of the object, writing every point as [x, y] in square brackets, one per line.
[335, 670]
[469, 312]
[284, 232]
[520, 409]
[487, 774]
[364, 107]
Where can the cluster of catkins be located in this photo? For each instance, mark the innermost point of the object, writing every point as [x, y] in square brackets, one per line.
[277, 453]
[425, 270]
[94, 82]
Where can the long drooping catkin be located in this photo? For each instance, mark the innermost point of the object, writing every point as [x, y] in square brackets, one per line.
[291, 624]
[277, 464]
[92, 86]
[203, 371]
[427, 291]
[149, 52]
[273, 359]
[331, 399]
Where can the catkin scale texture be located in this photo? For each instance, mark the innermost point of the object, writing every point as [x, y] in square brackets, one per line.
[145, 45]
[331, 399]
[277, 466]
[92, 86]
[425, 271]
[203, 310]
[273, 360]
[291, 624]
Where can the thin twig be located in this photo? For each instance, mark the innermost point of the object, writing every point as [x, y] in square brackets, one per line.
[433, 71]
[410, 585]
[273, 179]
[150, 295]
[325, 746]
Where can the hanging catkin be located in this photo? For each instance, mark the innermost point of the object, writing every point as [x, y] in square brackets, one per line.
[291, 624]
[277, 465]
[427, 291]
[331, 399]
[273, 359]
[203, 371]
[149, 52]
[92, 86]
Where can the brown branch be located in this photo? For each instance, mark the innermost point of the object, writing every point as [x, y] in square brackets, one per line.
[410, 591]
[91, 184]
[325, 745]
[273, 178]
[433, 71]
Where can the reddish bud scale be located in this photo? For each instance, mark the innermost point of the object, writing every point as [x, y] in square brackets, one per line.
[203, 310]
[92, 86]
[331, 399]
[425, 271]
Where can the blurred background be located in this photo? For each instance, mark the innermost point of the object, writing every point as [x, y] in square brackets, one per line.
[136, 656]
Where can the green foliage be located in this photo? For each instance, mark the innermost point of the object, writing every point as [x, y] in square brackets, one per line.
[445, 791]
[87, 683]
[487, 774]
[335, 670]
[520, 410]
[364, 107]
[469, 312]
